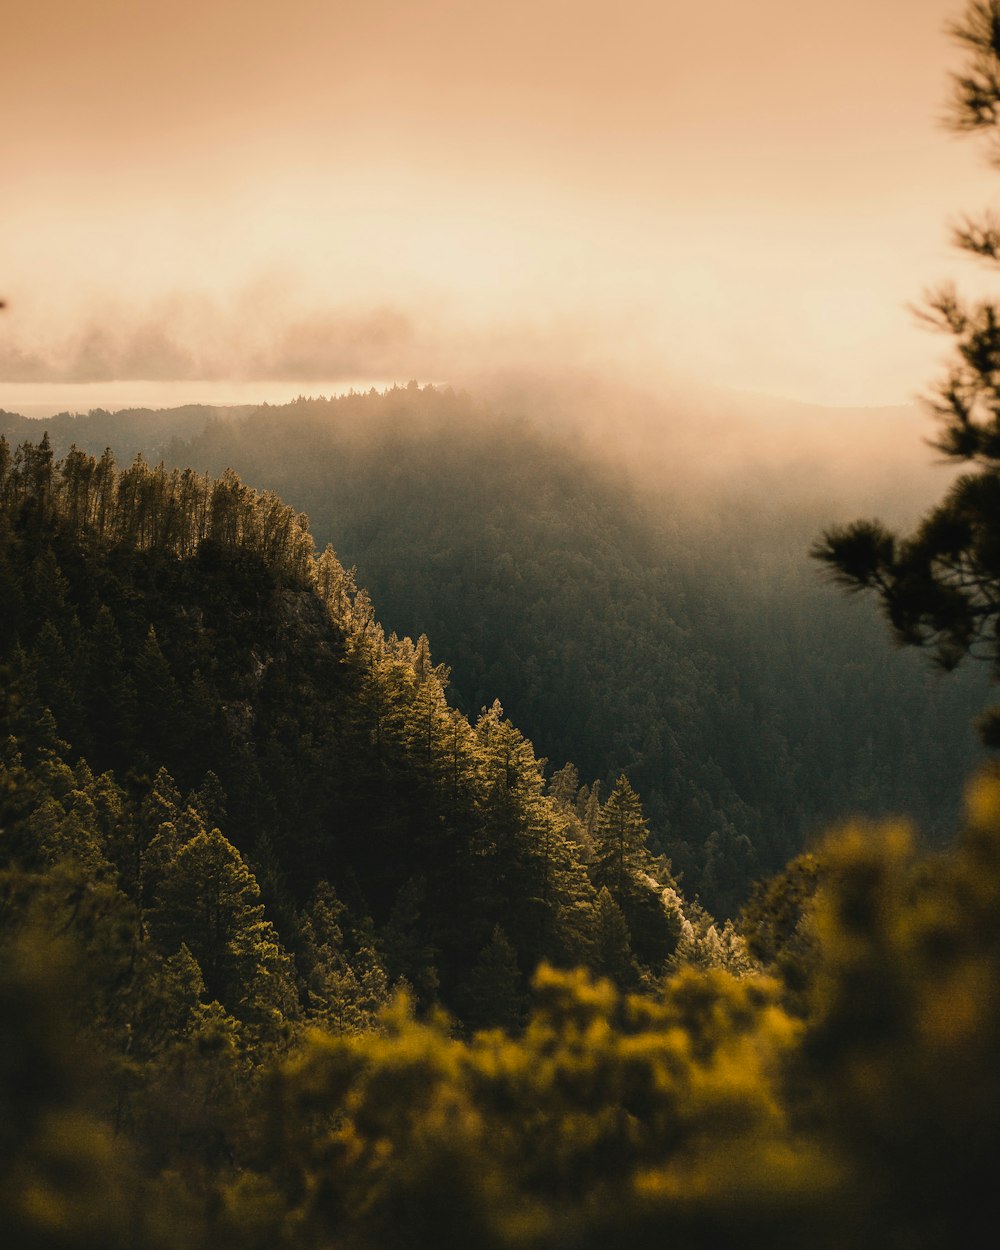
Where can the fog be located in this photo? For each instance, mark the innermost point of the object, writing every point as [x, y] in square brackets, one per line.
[690, 442]
[690, 236]
[318, 195]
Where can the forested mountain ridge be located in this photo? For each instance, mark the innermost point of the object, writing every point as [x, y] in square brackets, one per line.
[693, 649]
[698, 653]
[127, 431]
[174, 633]
[213, 940]
[297, 955]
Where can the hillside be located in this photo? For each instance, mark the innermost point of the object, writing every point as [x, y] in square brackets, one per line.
[665, 624]
[628, 626]
[171, 634]
[248, 855]
[127, 431]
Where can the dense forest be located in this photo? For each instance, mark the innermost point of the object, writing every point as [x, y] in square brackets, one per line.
[163, 624]
[300, 956]
[657, 905]
[700, 656]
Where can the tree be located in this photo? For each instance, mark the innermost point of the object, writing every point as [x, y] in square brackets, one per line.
[535, 878]
[613, 955]
[623, 865]
[621, 854]
[493, 991]
[345, 991]
[159, 697]
[207, 899]
[940, 587]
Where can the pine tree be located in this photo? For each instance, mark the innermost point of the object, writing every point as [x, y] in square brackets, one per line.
[613, 956]
[940, 587]
[159, 699]
[208, 900]
[620, 854]
[493, 996]
[109, 692]
[407, 954]
[537, 881]
[624, 866]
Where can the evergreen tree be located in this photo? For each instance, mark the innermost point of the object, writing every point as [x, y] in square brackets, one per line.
[110, 694]
[537, 880]
[207, 900]
[613, 956]
[408, 956]
[620, 854]
[346, 987]
[940, 587]
[493, 997]
[158, 698]
[623, 865]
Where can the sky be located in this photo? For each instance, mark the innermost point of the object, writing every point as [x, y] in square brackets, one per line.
[246, 197]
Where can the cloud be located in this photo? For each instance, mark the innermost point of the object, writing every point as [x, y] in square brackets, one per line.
[190, 337]
[271, 332]
[334, 345]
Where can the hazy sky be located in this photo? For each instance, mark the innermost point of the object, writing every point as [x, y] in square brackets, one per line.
[293, 191]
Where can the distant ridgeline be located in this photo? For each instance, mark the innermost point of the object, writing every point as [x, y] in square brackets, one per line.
[127, 431]
[701, 658]
[249, 855]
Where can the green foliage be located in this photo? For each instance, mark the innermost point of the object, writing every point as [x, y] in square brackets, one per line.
[904, 1021]
[707, 1113]
[775, 922]
[613, 956]
[67, 1182]
[219, 1065]
[698, 657]
[207, 901]
[493, 994]
[173, 645]
[622, 865]
[940, 587]
[620, 856]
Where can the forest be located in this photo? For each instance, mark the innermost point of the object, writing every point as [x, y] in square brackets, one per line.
[421, 826]
[699, 655]
[300, 954]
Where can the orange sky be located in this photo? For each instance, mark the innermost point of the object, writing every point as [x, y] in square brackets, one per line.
[246, 190]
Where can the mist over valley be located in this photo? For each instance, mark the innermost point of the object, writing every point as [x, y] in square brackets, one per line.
[628, 574]
[499, 625]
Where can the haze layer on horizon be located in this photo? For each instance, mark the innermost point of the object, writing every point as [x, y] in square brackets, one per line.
[243, 191]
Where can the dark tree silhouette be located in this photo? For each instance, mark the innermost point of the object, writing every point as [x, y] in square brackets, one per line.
[940, 586]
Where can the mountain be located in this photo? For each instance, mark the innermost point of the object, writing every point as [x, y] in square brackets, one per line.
[249, 857]
[636, 605]
[630, 623]
[128, 431]
[172, 634]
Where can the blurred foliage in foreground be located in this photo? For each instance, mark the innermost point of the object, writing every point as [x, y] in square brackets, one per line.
[850, 1096]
